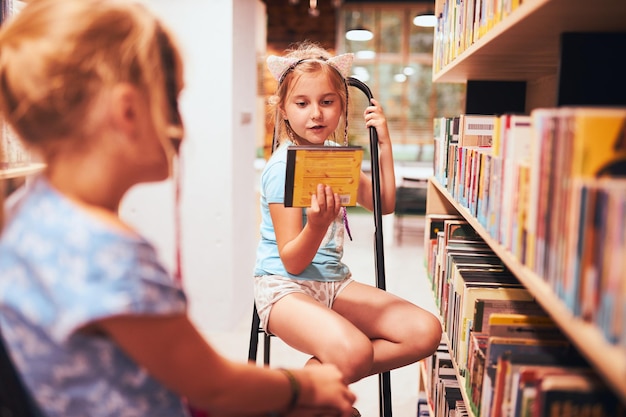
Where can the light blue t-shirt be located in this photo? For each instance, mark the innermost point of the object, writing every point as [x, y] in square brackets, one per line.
[327, 264]
[62, 269]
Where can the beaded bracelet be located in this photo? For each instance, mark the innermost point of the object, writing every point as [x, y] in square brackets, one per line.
[295, 390]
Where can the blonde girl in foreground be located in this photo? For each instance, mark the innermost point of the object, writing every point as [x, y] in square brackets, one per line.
[92, 320]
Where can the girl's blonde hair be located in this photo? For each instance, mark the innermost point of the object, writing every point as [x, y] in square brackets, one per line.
[58, 56]
[311, 60]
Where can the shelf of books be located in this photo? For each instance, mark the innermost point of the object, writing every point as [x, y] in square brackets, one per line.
[526, 242]
[526, 212]
[513, 39]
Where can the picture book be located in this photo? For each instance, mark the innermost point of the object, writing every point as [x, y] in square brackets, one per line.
[308, 166]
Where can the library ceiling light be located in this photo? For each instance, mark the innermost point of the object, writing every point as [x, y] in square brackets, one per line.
[365, 54]
[313, 10]
[399, 78]
[359, 33]
[427, 19]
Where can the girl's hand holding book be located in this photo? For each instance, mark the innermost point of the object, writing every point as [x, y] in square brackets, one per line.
[325, 206]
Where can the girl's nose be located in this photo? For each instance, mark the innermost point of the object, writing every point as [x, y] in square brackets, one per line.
[316, 112]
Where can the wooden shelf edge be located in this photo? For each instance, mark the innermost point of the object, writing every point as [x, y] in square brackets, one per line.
[524, 46]
[446, 74]
[422, 368]
[609, 360]
[22, 171]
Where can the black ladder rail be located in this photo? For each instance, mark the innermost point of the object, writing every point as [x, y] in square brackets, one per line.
[384, 378]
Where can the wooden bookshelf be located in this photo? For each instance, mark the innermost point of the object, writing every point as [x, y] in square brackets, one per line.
[525, 47]
[525, 44]
[608, 360]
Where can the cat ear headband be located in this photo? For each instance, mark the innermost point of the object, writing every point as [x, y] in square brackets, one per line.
[281, 66]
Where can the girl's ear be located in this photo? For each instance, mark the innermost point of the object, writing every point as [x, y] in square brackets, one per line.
[123, 108]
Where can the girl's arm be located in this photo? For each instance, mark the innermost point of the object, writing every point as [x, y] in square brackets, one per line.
[374, 117]
[173, 352]
[297, 245]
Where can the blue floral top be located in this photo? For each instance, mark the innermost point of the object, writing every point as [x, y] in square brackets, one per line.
[62, 269]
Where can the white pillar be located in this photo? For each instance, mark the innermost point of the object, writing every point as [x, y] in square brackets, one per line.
[219, 204]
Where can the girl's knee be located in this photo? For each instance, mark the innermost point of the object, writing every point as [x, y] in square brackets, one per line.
[354, 358]
[430, 333]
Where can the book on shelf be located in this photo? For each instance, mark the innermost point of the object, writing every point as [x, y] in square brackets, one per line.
[515, 146]
[441, 281]
[525, 379]
[444, 376]
[513, 396]
[422, 407]
[506, 374]
[457, 236]
[484, 183]
[442, 135]
[308, 166]
[440, 359]
[475, 369]
[512, 341]
[475, 266]
[476, 133]
[569, 144]
[593, 287]
[448, 393]
[484, 308]
[610, 315]
[434, 223]
[469, 287]
[564, 395]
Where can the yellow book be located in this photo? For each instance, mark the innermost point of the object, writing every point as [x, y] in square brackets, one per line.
[308, 166]
[599, 142]
[516, 319]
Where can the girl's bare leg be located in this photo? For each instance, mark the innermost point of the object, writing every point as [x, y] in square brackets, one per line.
[367, 332]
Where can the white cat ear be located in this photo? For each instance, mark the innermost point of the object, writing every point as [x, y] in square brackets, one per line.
[278, 65]
[342, 63]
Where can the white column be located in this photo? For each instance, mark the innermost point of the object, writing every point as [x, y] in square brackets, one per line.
[219, 206]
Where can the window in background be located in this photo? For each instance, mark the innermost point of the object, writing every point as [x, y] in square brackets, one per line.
[397, 66]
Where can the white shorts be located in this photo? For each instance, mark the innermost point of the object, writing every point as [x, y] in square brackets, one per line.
[268, 289]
